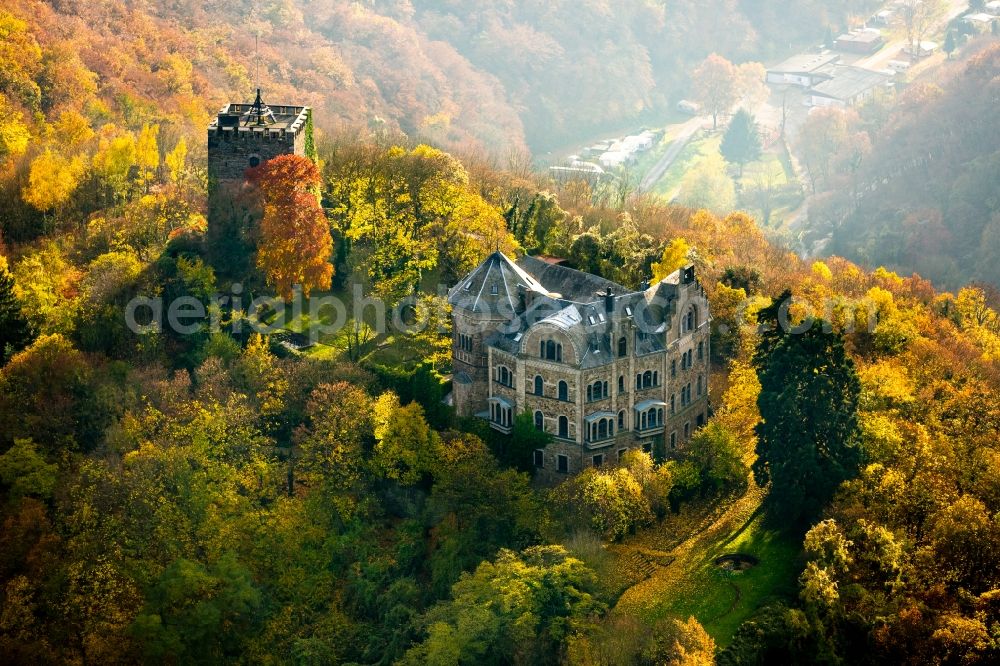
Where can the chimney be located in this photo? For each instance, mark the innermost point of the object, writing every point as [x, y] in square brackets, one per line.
[609, 301]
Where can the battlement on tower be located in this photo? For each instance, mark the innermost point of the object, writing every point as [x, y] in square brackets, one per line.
[245, 135]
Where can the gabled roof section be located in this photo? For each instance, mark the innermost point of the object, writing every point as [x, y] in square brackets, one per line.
[494, 282]
[569, 283]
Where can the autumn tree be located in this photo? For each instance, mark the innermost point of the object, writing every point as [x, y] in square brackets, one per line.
[510, 610]
[675, 255]
[916, 18]
[719, 458]
[52, 180]
[15, 329]
[751, 84]
[715, 86]
[14, 134]
[295, 242]
[830, 136]
[330, 444]
[709, 186]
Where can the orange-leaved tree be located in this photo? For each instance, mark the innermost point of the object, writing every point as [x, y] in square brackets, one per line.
[295, 242]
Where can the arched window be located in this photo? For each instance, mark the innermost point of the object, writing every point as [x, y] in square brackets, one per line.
[539, 385]
[647, 379]
[638, 381]
[622, 346]
[621, 383]
[550, 350]
[563, 427]
[692, 319]
[659, 416]
[673, 403]
[656, 378]
[559, 353]
[604, 390]
[563, 390]
[621, 420]
[602, 429]
[701, 350]
[699, 386]
[539, 421]
[541, 348]
[590, 393]
[642, 421]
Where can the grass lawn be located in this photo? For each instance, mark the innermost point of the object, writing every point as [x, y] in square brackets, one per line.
[700, 146]
[688, 582]
[722, 599]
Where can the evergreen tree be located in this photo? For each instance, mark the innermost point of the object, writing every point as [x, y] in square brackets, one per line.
[15, 330]
[741, 142]
[949, 43]
[807, 437]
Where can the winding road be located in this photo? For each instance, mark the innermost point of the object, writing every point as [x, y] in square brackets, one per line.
[686, 131]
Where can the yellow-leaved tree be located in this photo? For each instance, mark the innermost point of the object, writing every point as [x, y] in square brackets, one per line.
[674, 256]
[14, 135]
[147, 152]
[115, 157]
[52, 180]
[176, 159]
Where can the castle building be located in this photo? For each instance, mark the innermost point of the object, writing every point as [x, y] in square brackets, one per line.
[243, 136]
[600, 367]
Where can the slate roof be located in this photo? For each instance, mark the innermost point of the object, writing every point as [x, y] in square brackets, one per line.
[571, 300]
[569, 283]
[493, 283]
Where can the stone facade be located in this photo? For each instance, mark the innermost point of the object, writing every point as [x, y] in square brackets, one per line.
[243, 136]
[602, 368]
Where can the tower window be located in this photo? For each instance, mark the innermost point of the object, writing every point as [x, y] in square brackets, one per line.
[562, 464]
[563, 427]
[539, 421]
[539, 385]
[563, 390]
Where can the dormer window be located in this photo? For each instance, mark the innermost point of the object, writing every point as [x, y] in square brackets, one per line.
[494, 289]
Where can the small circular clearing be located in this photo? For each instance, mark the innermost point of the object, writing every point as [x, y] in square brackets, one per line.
[736, 561]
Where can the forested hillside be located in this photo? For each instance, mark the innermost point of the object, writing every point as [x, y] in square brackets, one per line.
[205, 493]
[922, 194]
[490, 74]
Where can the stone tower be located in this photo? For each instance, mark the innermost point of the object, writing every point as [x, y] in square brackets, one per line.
[245, 135]
[486, 302]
